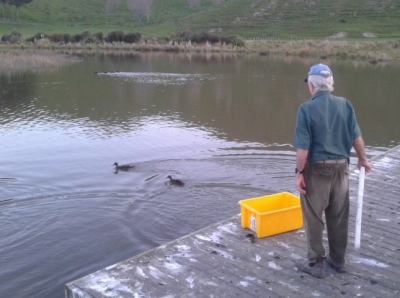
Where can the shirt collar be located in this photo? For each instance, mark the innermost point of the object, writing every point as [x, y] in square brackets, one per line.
[318, 94]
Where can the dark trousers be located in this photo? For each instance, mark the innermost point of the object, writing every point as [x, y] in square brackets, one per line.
[327, 187]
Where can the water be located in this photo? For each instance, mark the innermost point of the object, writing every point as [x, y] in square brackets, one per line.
[221, 123]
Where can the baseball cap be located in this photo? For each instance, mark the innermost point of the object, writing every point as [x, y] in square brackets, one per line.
[319, 70]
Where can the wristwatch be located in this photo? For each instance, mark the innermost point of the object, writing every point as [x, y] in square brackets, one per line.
[298, 172]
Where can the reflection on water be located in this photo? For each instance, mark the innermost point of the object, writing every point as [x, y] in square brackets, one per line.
[158, 78]
[15, 88]
[221, 123]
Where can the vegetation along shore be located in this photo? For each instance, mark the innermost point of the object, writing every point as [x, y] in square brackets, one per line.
[50, 51]
[360, 29]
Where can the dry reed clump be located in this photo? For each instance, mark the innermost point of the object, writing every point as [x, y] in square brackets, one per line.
[170, 46]
[22, 60]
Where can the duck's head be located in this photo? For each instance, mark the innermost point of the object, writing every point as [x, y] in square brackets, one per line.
[115, 164]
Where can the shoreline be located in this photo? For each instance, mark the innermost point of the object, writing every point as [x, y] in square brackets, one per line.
[20, 57]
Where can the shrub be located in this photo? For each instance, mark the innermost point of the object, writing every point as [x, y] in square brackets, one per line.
[5, 38]
[66, 38]
[115, 36]
[99, 36]
[228, 39]
[85, 34]
[16, 33]
[203, 37]
[60, 38]
[56, 38]
[79, 37]
[185, 35]
[91, 39]
[37, 37]
[239, 42]
[14, 37]
[44, 43]
[163, 39]
[76, 38]
[233, 40]
[132, 37]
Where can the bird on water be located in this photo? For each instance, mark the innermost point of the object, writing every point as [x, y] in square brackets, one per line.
[122, 167]
[176, 182]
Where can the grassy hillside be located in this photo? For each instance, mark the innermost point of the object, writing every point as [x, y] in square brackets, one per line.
[246, 18]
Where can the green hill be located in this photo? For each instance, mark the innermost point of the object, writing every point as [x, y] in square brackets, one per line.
[246, 18]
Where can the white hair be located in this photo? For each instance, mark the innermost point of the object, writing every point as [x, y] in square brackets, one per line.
[320, 83]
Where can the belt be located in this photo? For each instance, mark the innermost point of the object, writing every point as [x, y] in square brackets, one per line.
[332, 161]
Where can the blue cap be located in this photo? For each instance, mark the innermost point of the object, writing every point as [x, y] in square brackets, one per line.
[319, 70]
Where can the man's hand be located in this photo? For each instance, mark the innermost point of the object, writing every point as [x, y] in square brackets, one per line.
[365, 164]
[359, 146]
[301, 160]
[300, 184]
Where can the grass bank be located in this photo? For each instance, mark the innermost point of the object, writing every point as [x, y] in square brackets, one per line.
[371, 50]
[246, 18]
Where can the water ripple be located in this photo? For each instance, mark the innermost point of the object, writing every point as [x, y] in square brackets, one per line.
[159, 78]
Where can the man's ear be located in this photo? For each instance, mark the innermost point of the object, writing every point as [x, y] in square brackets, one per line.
[311, 88]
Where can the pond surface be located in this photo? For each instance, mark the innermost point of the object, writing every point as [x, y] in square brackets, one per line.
[221, 123]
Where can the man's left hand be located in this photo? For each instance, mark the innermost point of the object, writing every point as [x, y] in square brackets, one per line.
[300, 184]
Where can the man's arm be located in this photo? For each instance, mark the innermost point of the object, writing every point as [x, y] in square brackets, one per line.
[301, 160]
[358, 144]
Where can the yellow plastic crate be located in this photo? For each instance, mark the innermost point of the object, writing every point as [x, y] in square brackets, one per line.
[272, 214]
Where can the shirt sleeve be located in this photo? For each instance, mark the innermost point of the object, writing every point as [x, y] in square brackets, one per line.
[302, 134]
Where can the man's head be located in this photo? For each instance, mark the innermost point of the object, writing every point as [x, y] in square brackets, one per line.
[319, 78]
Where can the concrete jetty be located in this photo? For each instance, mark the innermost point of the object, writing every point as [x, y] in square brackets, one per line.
[223, 260]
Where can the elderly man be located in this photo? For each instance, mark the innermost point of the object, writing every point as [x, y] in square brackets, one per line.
[326, 130]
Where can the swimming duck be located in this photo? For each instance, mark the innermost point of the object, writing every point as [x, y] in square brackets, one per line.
[176, 182]
[122, 167]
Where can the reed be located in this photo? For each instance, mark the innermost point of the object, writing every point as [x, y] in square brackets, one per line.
[153, 46]
[23, 60]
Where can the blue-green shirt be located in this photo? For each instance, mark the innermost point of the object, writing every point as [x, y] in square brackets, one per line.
[326, 126]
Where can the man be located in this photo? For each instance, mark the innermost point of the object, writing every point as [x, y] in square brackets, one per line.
[326, 130]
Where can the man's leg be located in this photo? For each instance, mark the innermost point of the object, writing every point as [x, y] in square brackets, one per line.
[337, 216]
[318, 183]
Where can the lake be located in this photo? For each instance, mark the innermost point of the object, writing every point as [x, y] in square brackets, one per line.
[222, 123]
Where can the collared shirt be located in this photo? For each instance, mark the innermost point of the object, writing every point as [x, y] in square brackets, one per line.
[326, 126]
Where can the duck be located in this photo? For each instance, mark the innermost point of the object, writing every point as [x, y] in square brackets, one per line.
[122, 167]
[176, 182]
